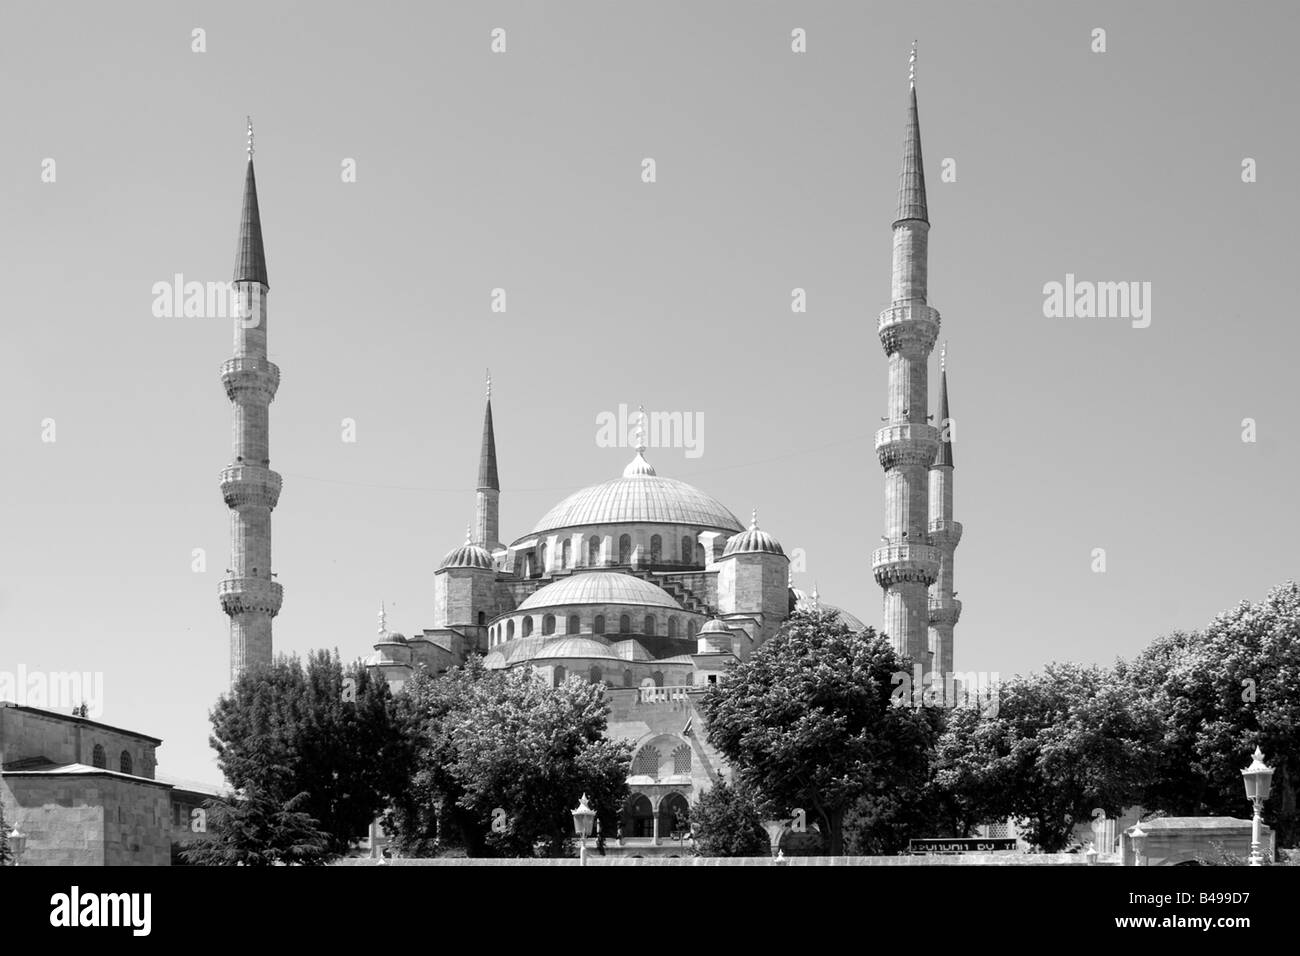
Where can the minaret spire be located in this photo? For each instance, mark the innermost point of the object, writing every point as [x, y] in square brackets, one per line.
[945, 534]
[907, 564]
[488, 491]
[250, 596]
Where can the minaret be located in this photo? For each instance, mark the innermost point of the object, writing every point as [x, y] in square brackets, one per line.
[907, 564]
[251, 489]
[488, 496]
[945, 534]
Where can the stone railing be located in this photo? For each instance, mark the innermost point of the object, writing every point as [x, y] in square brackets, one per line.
[663, 695]
[238, 595]
[897, 563]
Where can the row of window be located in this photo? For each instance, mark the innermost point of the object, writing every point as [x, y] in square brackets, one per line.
[691, 553]
[100, 759]
[596, 675]
[650, 626]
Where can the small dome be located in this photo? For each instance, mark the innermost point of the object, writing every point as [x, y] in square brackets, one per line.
[468, 555]
[715, 627]
[753, 541]
[599, 587]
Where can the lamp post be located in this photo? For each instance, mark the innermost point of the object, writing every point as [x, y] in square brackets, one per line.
[1139, 838]
[17, 843]
[1258, 779]
[582, 818]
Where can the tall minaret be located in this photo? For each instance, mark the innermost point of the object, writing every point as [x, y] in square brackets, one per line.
[945, 534]
[907, 564]
[487, 521]
[251, 489]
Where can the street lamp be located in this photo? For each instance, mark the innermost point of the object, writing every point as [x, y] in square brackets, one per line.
[582, 818]
[1139, 838]
[1258, 779]
[17, 843]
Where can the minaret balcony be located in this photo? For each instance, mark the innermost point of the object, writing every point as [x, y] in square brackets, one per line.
[241, 595]
[905, 563]
[250, 379]
[907, 443]
[911, 329]
[944, 611]
[945, 533]
[250, 486]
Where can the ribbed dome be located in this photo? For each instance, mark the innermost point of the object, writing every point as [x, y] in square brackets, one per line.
[640, 496]
[575, 647]
[753, 541]
[599, 587]
[714, 627]
[468, 556]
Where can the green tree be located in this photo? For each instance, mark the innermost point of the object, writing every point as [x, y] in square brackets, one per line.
[256, 828]
[809, 721]
[325, 736]
[1062, 743]
[506, 740]
[1220, 693]
[726, 822]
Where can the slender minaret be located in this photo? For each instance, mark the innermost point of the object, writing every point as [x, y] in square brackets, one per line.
[251, 489]
[907, 564]
[487, 517]
[945, 534]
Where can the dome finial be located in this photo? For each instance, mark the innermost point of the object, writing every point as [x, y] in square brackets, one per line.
[911, 67]
[383, 620]
[753, 520]
[817, 598]
[468, 539]
[640, 429]
[250, 136]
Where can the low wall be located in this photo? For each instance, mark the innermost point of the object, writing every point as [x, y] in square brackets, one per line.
[962, 859]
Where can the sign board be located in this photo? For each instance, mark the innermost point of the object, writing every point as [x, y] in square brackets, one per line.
[962, 845]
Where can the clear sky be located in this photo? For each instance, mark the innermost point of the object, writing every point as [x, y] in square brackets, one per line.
[522, 171]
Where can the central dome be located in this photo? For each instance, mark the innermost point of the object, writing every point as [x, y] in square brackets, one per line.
[599, 587]
[639, 497]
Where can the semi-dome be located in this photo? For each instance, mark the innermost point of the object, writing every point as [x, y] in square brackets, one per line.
[639, 497]
[468, 555]
[599, 587]
[753, 541]
[582, 647]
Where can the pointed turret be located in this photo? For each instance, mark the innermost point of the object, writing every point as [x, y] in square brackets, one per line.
[945, 534]
[488, 490]
[250, 256]
[945, 431]
[911, 181]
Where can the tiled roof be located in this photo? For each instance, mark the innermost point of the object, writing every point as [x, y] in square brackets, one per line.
[639, 498]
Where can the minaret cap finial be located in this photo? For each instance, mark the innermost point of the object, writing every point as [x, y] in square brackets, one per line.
[911, 67]
[489, 384]
[640, 429]
[250, 137]
[943, 357]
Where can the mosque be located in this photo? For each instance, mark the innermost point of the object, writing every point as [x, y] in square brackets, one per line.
[642, 582]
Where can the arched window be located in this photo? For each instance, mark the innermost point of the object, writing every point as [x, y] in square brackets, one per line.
[542, 561]
[673, 814]
[566, 553]
[624, 549]
[574, 625]
[658, 678]
[482, 618]
[125, 762]
[690, 630]
[682, 759]
[560, 674]
[594, 676]
[98, 758]
[548, 624]
[624, 624]
[598, 626]
[672, 627]
[628, 679]
[510, 630]
[638, 818]
[647, 762]
[699, 555]
[528, 626]
[650, 624]
[687, 550]
[656, 549]
[593, 550]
